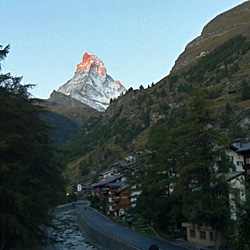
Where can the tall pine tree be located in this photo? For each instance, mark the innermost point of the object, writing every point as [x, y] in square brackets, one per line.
[31, 181]
[201, 167]
[185, 154]
[158, 181]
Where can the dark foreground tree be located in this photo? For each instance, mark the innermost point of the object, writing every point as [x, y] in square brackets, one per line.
[239, 234]
[201, 167]
[187, 157]
[158, 183]
[31, 180]
[244, 221]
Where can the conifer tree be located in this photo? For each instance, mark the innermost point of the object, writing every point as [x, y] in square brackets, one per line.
[201, 185]
[158, 182]
[31, 180]
[185, 153]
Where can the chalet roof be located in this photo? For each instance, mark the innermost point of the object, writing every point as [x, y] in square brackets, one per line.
[227, 177]
[125, 164]
[117, 186]
[243, 147]
[108, 180]
[104, 190]
[240, 145]
[87, 187]
[233, 175]
[106, 172]
[122, 187]
[121, 164]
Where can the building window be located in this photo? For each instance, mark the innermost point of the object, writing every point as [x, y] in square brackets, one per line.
[192, 233]
[211, 236]
[202, 235]
[239, 163]
[247, 160]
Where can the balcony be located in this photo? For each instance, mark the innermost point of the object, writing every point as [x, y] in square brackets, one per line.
[116, 198]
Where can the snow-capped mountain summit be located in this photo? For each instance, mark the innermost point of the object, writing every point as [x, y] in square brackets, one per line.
[91, 84]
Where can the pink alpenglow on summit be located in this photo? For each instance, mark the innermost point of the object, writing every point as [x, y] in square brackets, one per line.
[119, 83]
[90, 60]
[92, 85]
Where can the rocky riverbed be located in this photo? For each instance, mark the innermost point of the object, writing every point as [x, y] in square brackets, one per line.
[66, 235]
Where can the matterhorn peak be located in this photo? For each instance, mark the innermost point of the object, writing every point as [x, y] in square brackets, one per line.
[89, 61]
[91, 84]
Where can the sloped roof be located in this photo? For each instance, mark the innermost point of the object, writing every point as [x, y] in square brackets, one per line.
[122, 187]
[243, 147]
[233, 175]
[109, 180]
[227, 177]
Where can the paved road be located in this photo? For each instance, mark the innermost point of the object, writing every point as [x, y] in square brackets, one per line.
[131, 237]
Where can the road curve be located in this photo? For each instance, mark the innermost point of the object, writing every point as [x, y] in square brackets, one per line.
[102, 224]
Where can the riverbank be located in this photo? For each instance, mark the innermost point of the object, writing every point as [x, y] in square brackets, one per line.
[79, 227]
[66, 234]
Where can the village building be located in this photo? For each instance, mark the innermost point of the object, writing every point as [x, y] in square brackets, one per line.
[243, 148]
[239, 154]
[96, 187]
[135, 192]
[118, 199]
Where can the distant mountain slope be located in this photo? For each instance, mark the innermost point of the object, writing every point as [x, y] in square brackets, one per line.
[223, 27]
[91, 84]
[67, 106]
[65, 114]
[64, 128]
[222, 72]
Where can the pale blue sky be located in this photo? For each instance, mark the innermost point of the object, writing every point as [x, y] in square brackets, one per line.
[138, 41]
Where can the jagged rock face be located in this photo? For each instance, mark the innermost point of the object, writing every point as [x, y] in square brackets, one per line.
[59, 99]
[91, 84]
[223, 27]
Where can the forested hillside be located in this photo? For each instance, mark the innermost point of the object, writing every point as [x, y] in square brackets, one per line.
[64, 128]
[125, 127]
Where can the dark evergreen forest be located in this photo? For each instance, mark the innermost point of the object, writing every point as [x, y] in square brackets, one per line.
[31, 181]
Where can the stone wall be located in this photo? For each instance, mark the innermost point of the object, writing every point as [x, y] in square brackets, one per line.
[64, 207]
[101, 238]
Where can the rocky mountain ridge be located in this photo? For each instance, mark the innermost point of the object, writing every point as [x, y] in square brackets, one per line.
[222, 27]
[67, 106]
[91, 84]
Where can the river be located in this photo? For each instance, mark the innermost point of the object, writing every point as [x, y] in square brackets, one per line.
[67, 235]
